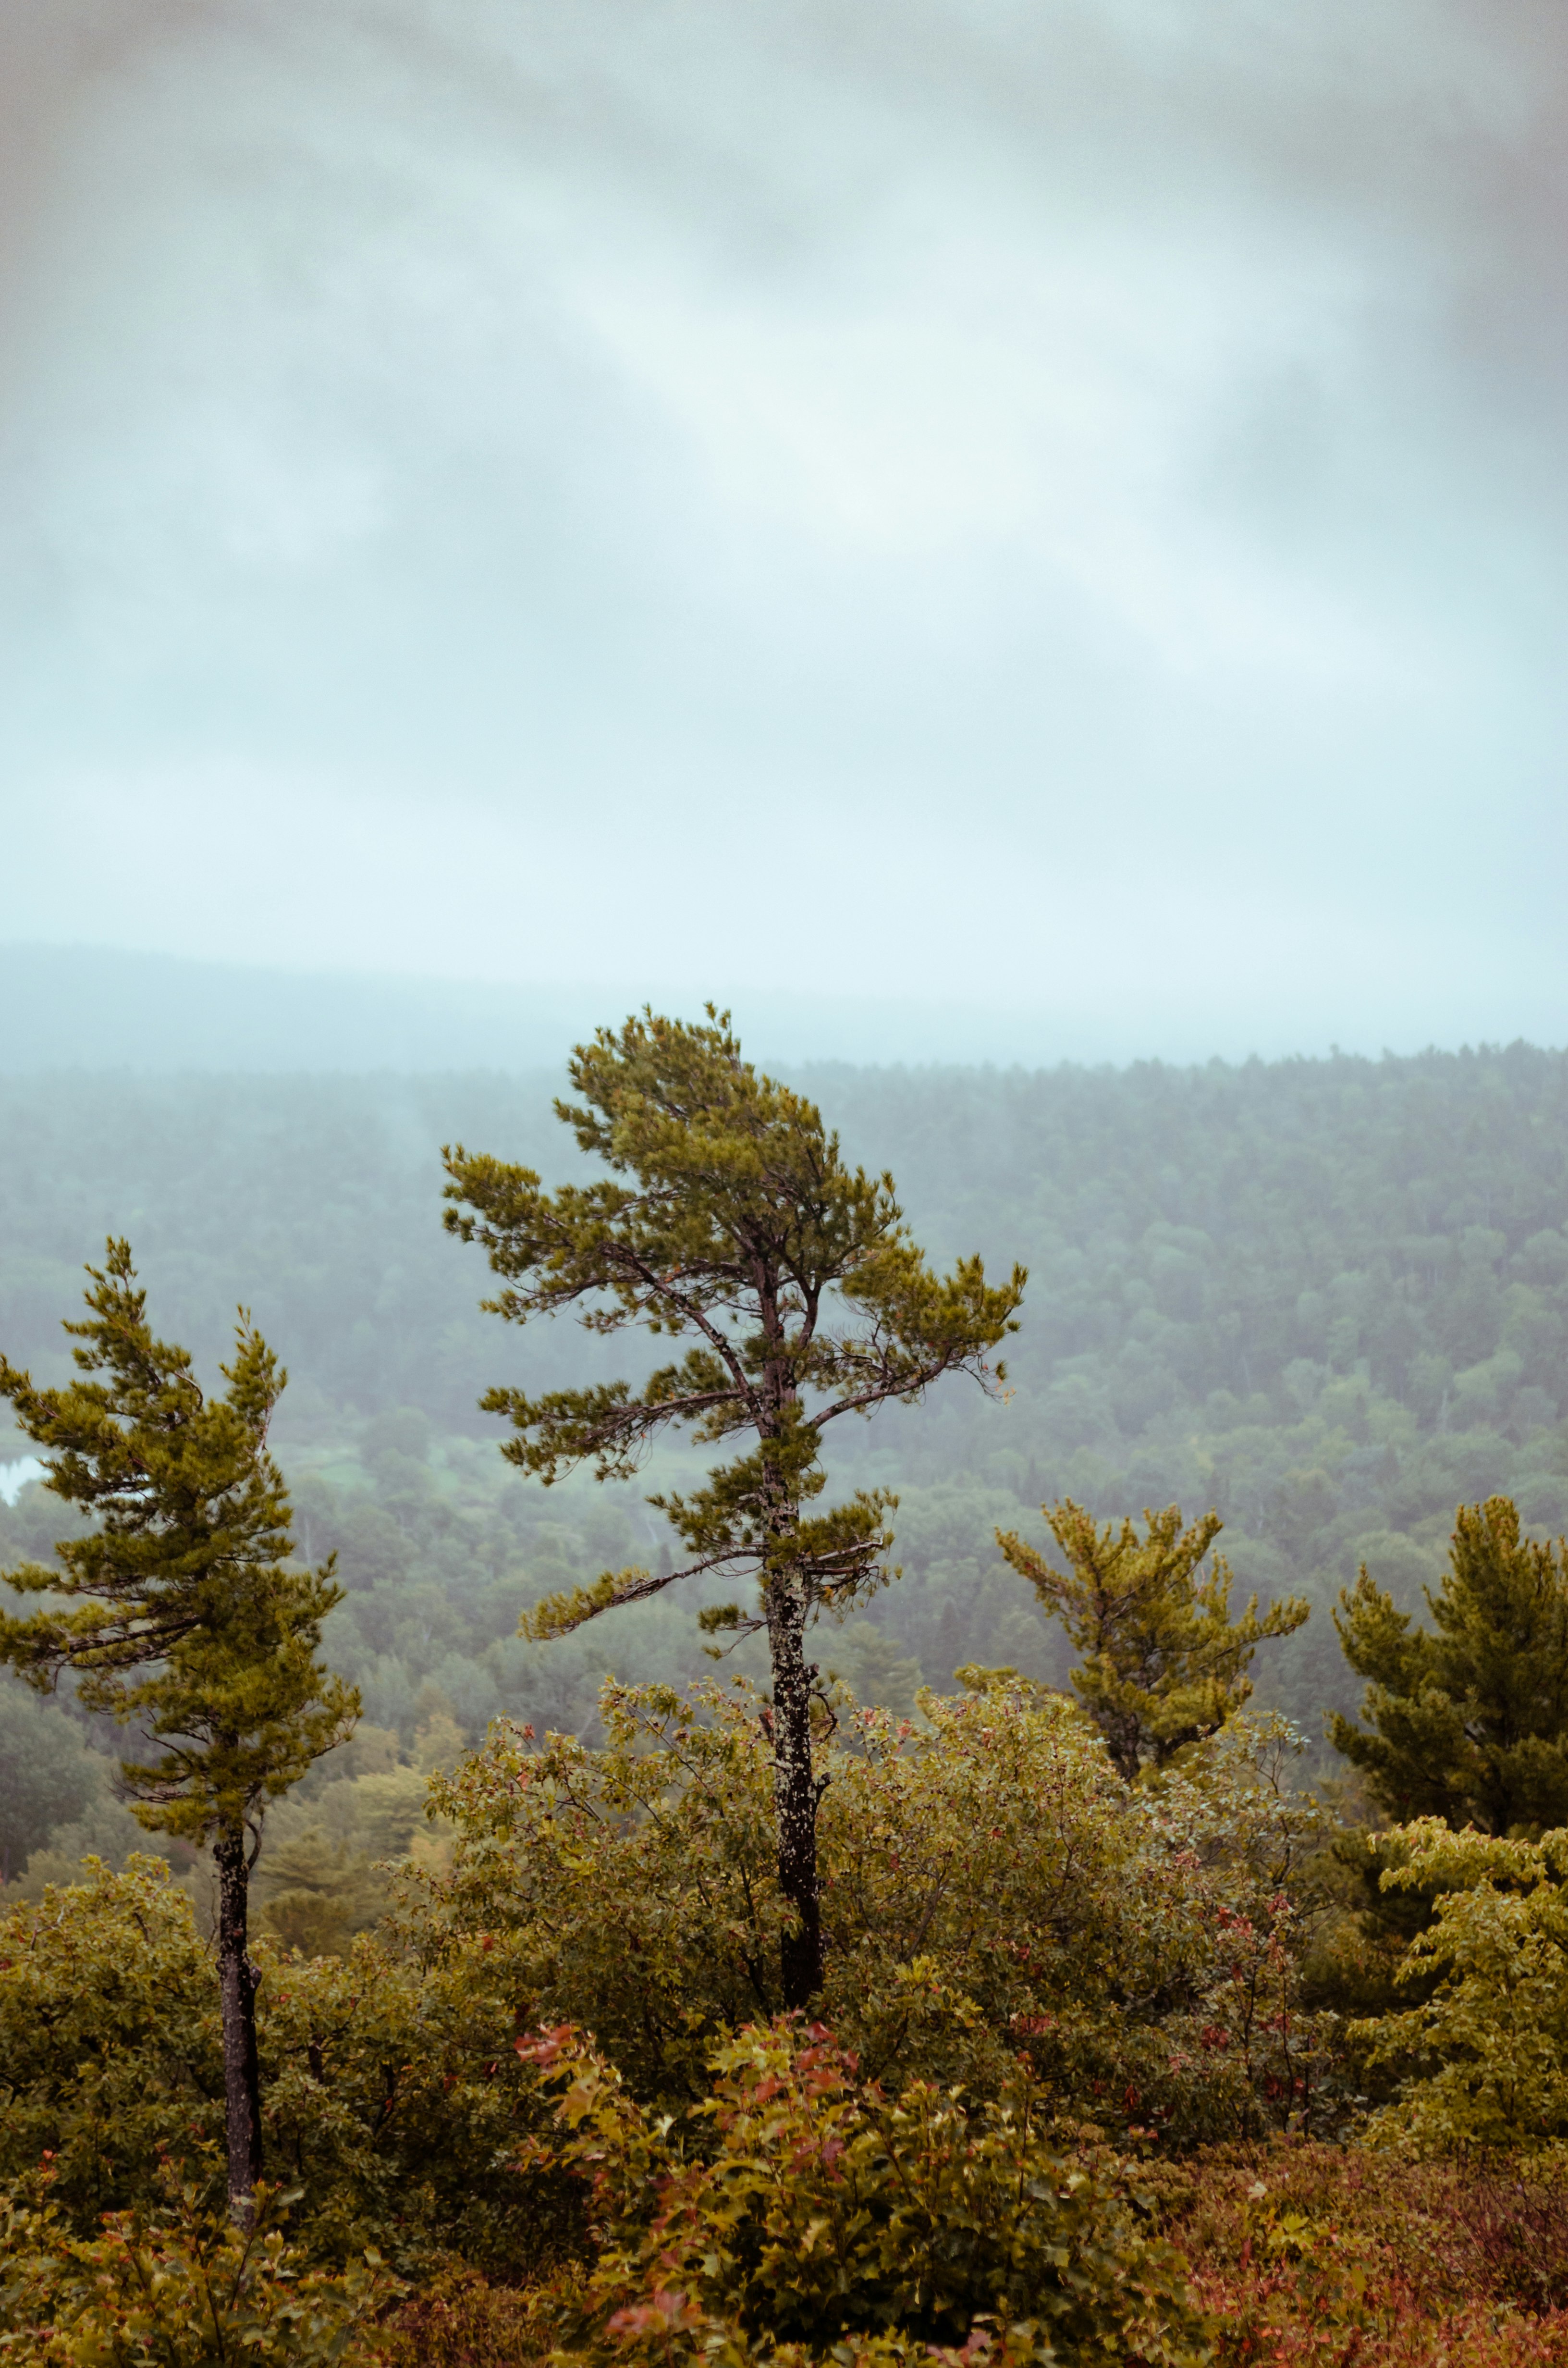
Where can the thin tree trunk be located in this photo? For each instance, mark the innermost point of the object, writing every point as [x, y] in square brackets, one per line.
[795, 1796]
[237, 1986]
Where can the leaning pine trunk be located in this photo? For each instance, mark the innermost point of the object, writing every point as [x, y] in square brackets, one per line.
[795, 1796]
[236, 1985]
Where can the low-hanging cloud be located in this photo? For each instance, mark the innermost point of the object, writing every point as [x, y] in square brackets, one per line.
[1044, 506]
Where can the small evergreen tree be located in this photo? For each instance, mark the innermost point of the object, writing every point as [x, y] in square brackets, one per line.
[1468, 1719]
[1164, 1663]
[742, 1228]
[181, 1614]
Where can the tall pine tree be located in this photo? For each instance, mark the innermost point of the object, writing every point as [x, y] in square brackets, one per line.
[729, 1218]
[181, 1612]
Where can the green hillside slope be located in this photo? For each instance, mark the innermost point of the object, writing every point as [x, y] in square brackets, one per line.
[1328, 1297]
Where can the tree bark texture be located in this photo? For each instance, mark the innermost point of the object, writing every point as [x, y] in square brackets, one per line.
[237, 1986]
[795, 1796]
[785, 1599]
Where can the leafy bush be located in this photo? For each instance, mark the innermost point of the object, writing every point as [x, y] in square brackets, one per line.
[110, 2046]
[1138, 1946]
[1485, 2056]
[392, 2100]
[812, 2211]
[457, 2319]
[178, 2287]
[1311, 2252]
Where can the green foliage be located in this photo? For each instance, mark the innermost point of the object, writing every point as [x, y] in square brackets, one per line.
[395, 2103]
[1329, 1298]
[177, 2287]
[181, 1610]
[1030, 1956]
[989, 1888]
[329, 1870]
[1356, 1964]
[393, 2096]
[634, 1888]
[319, 1895]
[1162, 1664]
[745, 1230]
[1486, 2055]
[1469, 1717]
[1311, 2252]
[110, 2053]
[49, 1778]
[795, 1280]
[807, 2211]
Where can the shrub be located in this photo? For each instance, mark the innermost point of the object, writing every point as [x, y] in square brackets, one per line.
[1138, 1946]
[178, 2287]
[459, 2320]
[110, 2043]
[812, 2213]
[393, 2099]
[1486, 2053]
[1311, 2252]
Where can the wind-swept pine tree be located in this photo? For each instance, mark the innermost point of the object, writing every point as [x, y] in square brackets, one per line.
[181, 1614]
[1468, 1719]
[728, 1217]
[1164, 1663]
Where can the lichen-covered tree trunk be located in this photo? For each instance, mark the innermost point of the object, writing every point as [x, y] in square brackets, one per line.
[795, 1794]
[236, 1987]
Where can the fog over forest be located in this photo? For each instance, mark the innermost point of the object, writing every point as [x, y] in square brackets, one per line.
[1329, 1299]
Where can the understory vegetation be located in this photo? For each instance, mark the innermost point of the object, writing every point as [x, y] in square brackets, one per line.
[1075, 2089]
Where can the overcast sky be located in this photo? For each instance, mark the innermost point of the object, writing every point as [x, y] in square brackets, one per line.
[1056, 507]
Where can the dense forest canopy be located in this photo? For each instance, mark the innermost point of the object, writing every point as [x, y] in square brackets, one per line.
[1328, 1298]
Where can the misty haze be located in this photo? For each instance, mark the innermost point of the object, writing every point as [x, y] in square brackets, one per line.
[1071, 494]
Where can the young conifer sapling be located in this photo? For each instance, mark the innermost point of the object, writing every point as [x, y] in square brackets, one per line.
[1162, 1664]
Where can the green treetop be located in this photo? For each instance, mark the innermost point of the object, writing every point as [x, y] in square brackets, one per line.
[1468, 1719]
[1163, 1665]
[728, 1219]
[178, 1612]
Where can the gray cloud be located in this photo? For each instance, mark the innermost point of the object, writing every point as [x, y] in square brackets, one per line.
[1049, 507]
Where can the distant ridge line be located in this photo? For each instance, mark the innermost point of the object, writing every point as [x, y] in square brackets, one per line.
[104, 1009]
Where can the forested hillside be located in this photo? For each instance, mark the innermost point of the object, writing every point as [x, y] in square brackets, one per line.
[1329, 1298]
